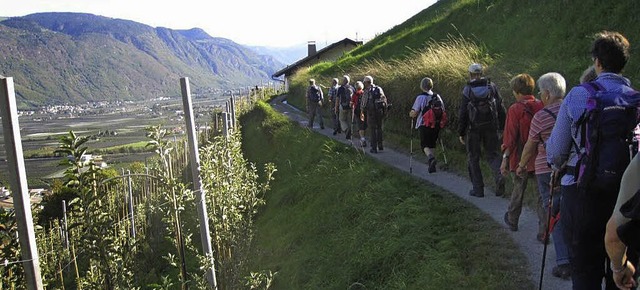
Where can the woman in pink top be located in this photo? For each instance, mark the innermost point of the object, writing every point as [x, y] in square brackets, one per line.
[552, 89]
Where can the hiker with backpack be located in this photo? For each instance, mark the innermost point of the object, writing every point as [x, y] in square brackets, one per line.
[333, 101]
[622, 237]
[374, 104]
[314, 100]
[428, 109]
[360, 124]
[552, 87]
[482, 118]
[343, 105]
[516, 131]
[592, 135]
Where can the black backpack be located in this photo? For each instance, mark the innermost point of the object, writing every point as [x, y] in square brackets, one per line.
[315, 95]
[482, 105]
[606, 131]
[344, 96]
[379, 100]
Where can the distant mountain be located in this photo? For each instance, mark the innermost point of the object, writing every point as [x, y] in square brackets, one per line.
[286, 55]
[58, 58]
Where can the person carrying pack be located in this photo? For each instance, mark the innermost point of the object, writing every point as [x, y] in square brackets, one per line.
[622, 237]
[482, 117]
[590, 133]
[374, 103]
[552, 87]
[516, 131]
[428, 108]
[314, 103]
[343, 105]
[333, 100]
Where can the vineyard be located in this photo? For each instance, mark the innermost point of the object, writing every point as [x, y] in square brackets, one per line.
[103, 229]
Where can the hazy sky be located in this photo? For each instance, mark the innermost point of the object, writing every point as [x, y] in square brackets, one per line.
[279, 23]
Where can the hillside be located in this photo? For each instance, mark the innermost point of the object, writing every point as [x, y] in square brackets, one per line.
[508, 36]
[522, 36]
[59, 58]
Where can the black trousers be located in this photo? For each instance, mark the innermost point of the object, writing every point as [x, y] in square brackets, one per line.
[584, 217]
[478, 139]
[374, 122]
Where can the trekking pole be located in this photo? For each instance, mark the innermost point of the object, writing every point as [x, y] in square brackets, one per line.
[444, 154]
[548, 230]
[351, 128]
[411, 147]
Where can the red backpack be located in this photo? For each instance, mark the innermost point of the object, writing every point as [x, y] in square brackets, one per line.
[435, 115]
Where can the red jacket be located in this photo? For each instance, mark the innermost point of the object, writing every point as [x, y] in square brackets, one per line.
[355, 100]
[516, 130]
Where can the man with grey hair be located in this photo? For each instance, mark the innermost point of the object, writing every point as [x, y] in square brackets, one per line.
[374, 103]
[314, 103]
[343, 105]
[482, 118]
[428, 132]
[552, 88]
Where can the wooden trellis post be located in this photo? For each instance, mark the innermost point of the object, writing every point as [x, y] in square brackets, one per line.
[18, 181]
[197, 181]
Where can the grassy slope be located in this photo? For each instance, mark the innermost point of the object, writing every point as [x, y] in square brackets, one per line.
[523, 35]
[335, 218]
[514, 36]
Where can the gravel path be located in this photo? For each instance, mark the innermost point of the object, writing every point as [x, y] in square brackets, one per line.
[525, 237]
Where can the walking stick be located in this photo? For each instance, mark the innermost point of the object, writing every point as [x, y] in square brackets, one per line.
[411, 147]
[444, 154]
[547, 233]
[351, 128]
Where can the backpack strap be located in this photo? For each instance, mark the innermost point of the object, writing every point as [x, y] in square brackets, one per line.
[553, 115]
[425, 104]
[592, 88]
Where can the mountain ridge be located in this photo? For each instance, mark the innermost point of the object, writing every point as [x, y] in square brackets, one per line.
[65, 57]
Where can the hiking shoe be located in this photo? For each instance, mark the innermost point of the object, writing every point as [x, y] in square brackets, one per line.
[562, 271]
[432, 165]
[476, 194]
[512, 227]
[373, 150]
[363, 143]
[380, 147]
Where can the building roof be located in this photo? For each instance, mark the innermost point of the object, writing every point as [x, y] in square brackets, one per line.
[296, 65]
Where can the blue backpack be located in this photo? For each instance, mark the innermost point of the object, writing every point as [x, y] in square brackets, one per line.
[606, 131]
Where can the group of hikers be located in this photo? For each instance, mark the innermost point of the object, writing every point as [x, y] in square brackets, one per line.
[580, 148]
[363, 106]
